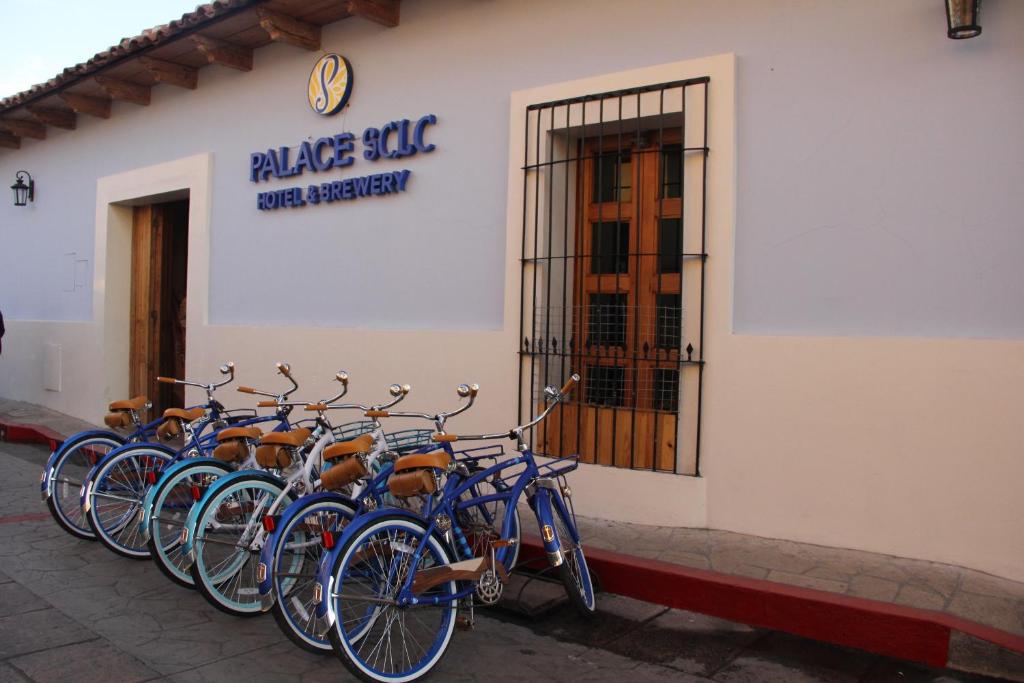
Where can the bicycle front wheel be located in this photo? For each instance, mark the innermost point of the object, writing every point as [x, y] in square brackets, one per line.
[573, 571]
[115, 495]
[377, 639]
[228, 529]
[174, 499]
[67, 477]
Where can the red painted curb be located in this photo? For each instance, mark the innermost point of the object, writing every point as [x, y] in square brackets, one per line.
[17, 432]
[883, 628]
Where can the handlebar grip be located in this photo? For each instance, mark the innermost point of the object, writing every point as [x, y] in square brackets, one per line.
[166, 380]
[247, 390]
[567, 387]
[441, 438]
[267, 404]
[377, 413]
[316, 406]
[285, 369]
[474, 389]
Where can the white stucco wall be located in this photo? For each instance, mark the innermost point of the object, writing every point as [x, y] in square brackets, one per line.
[877, 216]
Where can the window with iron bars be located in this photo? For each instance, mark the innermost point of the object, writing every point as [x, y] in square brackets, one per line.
[613, 258]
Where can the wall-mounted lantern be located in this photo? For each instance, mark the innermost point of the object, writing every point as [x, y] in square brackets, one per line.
[962, 18]
[23, 193]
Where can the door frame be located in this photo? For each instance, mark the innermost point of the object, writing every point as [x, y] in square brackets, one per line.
[116, 195]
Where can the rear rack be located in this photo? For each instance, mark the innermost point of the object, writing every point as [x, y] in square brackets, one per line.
[558, 467]
[472, 456]
[408, 439]
[352, 429]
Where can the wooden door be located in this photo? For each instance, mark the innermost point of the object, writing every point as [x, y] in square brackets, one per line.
[156, 337]
[627, 303]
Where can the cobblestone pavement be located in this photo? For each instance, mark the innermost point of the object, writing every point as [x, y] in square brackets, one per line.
[72, 611]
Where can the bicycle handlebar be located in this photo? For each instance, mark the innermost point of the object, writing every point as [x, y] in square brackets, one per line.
[226, 369]
[516, 432]
[397, 391]
[463, 390]
[284, 369]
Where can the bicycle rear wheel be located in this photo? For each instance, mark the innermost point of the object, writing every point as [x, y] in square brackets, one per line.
[115, 494]
[300, 548]
[375, 638]
[176, 495]
[225, 567]
[67, 477]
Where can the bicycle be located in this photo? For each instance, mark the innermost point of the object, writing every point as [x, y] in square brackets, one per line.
[115, 488]
[226, 530]
[308, 526]
[355, 482]
[390, 590]
[182, 484]
[67, 466]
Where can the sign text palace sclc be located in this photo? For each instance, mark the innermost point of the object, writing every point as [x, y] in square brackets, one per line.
[394, 140]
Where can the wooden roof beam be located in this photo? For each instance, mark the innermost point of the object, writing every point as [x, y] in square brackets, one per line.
[84, 104]
[223, 53]
[171, 73]
[284, 29]
[383, 12]
[24, 128]
[9, 141]
[58, 118]
[124, 90]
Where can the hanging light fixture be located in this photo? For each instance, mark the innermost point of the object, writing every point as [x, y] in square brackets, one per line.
[962, 18]
[23, 193]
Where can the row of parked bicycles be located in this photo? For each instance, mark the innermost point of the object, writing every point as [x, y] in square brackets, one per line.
[375, 544]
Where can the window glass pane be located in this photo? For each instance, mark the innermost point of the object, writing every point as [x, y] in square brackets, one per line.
[613, 173]
[606, 320]
[669, 248]
[610, 244]
[605, 385]
[666, 389]
[672, 171]
[668, 322]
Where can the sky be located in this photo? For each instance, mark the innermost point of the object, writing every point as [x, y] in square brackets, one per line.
[40, 38]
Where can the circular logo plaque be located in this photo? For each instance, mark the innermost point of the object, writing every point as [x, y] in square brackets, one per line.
[330, 84]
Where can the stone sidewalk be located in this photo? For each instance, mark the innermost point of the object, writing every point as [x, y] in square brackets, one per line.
[965, 593]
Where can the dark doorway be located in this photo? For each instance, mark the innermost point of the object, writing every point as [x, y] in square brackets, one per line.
[158, 276]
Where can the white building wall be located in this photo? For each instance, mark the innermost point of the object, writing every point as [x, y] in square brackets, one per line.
[877, 204]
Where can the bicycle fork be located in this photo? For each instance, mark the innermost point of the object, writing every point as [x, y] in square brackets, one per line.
[539, 493]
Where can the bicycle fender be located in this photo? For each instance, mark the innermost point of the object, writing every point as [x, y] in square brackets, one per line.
[325, 579]
[266, 585]
[189, 531]
[46, 482]
[153, 491]
[91, 477]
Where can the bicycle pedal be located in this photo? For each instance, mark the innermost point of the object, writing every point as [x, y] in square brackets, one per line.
[463, 623]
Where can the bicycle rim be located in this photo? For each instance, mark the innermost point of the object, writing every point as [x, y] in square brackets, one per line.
[225, 566]
[380, 641]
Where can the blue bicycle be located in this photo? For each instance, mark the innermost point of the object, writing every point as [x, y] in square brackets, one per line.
[68, 465]
[113, 491]
[354, 481]
[391, 588]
